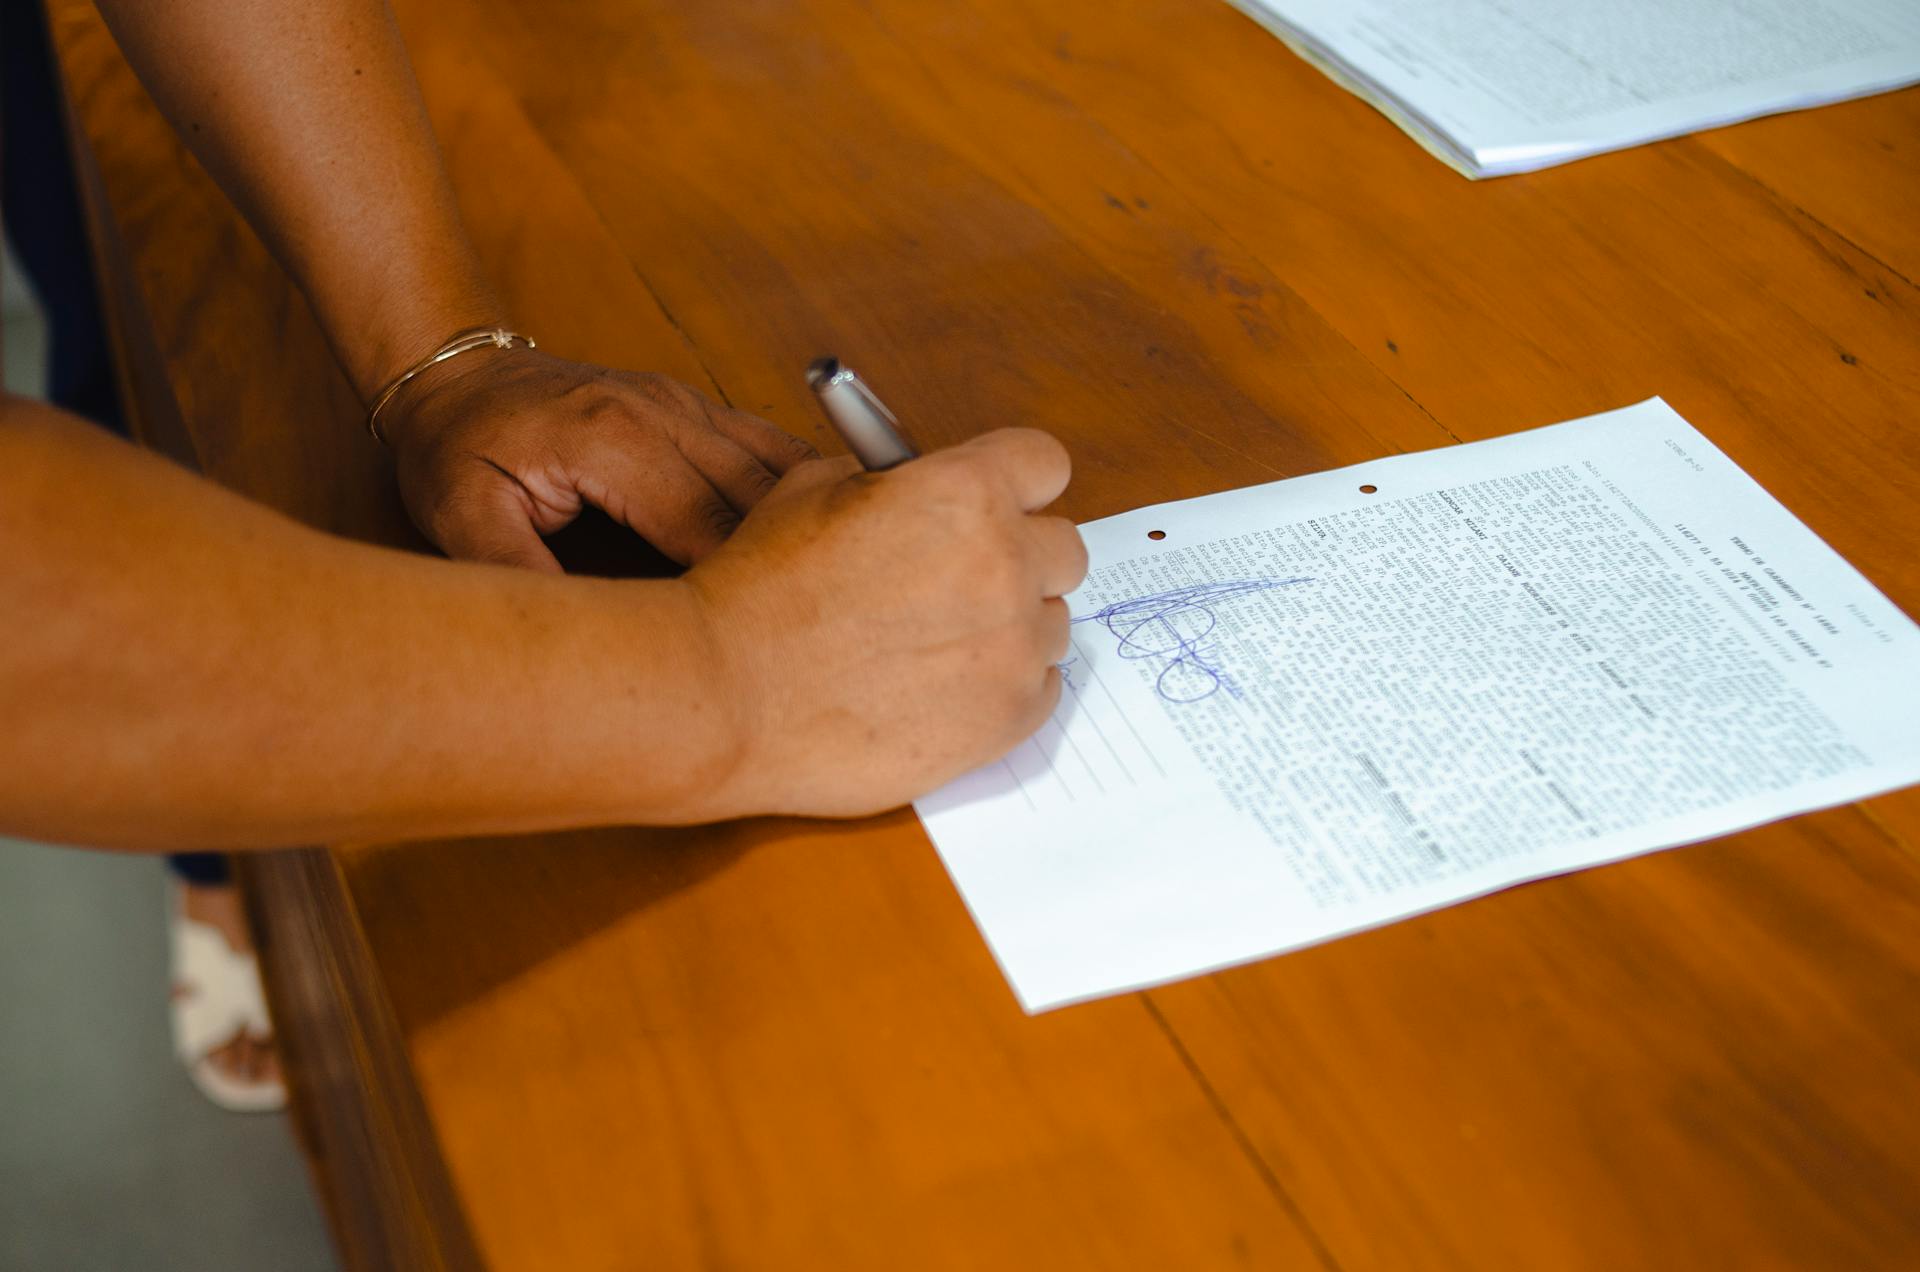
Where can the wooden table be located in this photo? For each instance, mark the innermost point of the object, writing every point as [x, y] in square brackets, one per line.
[1150, 229]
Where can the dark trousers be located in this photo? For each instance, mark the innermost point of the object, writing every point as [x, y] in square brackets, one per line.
[40, 209]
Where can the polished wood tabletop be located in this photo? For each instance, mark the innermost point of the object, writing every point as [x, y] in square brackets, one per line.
[1152, 230]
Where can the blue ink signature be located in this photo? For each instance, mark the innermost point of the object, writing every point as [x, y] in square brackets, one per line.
[1172, 627]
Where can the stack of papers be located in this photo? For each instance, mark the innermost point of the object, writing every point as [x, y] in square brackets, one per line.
[1301, 709]
[1500, 86]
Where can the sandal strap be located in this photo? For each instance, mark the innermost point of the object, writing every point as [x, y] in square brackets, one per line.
[219, 993]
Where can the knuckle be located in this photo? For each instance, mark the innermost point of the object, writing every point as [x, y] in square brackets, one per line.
[798, 449]
[663, 390]
[601, 405]
[760, 482]
[717, 517]
[1040, 453]
[592, 382]
[1074, 550]
[1051, 622]
[1050, 692]
[961, 486]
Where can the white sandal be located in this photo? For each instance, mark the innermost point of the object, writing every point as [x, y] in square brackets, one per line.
[216, 997]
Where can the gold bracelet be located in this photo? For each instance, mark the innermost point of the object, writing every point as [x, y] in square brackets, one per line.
[459, 343]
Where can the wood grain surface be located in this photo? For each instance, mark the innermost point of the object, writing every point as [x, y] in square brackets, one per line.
[1150, 229]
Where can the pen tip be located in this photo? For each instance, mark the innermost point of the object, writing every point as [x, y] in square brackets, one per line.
[820, 370]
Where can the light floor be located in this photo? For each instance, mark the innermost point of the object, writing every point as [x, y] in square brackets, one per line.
[109, 1159]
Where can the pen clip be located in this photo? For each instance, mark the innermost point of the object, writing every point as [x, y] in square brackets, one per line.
[847, 377]
[864, 423]
[831, 373]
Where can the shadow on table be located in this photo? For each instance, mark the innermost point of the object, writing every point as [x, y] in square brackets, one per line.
[450, 921]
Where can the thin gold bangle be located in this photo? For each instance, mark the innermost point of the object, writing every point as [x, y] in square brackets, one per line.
[458, 343]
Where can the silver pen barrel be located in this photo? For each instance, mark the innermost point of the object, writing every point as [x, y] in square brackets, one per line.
[863, 421]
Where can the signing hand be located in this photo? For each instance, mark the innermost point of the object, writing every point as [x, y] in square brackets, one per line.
[496, 448]
[878, 634]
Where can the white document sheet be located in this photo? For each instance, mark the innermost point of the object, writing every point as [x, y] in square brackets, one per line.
[1498, 86]
[1302, 709]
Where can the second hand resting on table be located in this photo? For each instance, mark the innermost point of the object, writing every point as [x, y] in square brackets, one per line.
[497, 447]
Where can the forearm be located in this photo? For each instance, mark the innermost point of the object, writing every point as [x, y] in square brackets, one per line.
[192, 670]
[309, 117]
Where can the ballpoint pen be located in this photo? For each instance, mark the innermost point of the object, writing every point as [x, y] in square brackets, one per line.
[864, 423]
